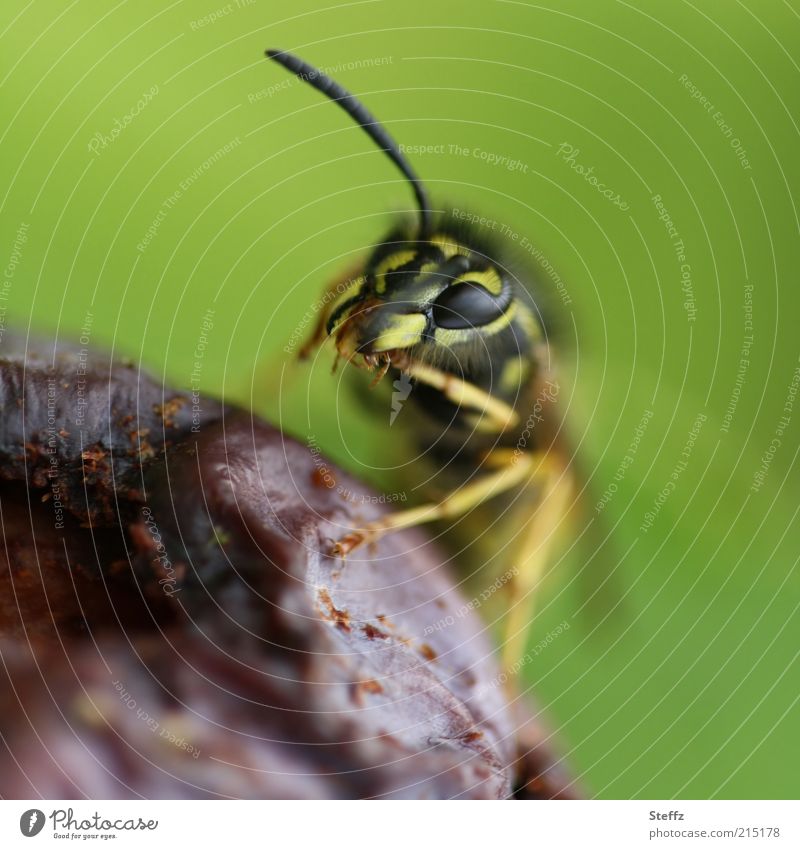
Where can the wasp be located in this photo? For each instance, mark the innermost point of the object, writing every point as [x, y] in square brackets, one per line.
[440, 306]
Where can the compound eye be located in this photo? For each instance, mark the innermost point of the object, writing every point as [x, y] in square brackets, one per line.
[467, 304]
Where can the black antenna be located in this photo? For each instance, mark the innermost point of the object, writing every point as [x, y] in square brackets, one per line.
[364, 118]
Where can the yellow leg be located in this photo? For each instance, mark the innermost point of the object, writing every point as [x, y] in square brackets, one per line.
[315, 339]
[534, 553]
[529, 467]
[464, 394]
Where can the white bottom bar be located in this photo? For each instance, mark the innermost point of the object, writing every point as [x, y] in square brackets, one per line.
[617, 824]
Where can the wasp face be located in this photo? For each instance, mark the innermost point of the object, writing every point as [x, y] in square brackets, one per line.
[415, 298]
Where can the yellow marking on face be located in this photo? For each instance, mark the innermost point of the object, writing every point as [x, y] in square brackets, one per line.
[354, 287]
[390, 263]
[423, 291]
[449, 246]
[421, 294]
[403, 331]
[449, 337]
[490, 279]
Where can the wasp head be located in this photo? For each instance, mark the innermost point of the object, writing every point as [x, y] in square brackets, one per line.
[416, 299]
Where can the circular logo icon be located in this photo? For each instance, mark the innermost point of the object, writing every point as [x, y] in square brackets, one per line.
[31, 822]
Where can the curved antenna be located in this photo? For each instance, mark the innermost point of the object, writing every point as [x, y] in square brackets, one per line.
[364, 118]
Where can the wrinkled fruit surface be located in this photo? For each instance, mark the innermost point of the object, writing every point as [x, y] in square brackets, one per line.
[171, 624]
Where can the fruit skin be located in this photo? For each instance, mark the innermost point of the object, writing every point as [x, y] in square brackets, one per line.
[198, 640]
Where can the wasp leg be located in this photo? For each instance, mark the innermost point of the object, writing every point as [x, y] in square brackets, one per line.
[533, 555]
[526, 468]
[460, 392]
[315, 339]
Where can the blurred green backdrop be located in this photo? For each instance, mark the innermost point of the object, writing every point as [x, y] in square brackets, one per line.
[155, 167]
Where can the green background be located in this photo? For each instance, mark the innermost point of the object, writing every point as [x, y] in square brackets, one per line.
[683, 680]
